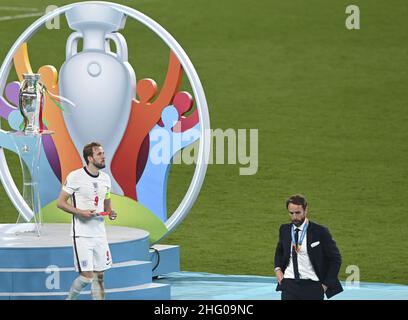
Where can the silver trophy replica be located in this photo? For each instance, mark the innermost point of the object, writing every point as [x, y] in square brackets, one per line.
[31, 100]
[28, 144]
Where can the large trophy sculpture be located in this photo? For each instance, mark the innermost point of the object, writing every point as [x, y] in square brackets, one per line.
[28, 142]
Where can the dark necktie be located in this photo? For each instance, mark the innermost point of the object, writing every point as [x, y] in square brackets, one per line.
[294, 255]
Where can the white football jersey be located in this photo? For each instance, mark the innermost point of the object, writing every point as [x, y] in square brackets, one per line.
[88, 192]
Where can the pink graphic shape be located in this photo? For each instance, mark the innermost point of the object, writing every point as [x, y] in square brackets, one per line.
[183, 102]
[12, 90]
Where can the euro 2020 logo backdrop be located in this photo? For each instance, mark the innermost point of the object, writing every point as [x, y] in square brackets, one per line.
[128, 117]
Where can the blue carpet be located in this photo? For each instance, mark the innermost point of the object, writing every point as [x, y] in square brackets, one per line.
[206, 286]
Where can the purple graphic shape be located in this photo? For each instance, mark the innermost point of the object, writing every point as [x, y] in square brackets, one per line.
[12, 90]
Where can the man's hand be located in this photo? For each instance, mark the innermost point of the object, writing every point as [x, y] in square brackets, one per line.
[279, 276]
[324, 287]
[113, 215]
[87, 214]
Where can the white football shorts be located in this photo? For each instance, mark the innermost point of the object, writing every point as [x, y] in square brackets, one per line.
[91, 254]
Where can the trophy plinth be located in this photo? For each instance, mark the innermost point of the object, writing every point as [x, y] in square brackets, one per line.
[28, 146]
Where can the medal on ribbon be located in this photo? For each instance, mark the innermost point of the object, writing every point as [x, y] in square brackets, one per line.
[298, 246]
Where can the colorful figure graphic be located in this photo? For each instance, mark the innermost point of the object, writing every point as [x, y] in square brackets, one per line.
[68, 156]
[143, 116]
[164, 144]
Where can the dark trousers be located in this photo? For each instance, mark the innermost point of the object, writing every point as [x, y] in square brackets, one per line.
[301, 290]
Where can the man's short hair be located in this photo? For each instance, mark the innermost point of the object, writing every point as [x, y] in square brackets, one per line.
[88, 150]
[297, 199]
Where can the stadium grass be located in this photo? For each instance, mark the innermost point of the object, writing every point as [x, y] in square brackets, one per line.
[331, 108]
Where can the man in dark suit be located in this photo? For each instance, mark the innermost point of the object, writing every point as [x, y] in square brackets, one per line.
[307, 260]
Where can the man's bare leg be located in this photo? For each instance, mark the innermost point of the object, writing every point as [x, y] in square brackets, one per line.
[98, 288]
[84, 279]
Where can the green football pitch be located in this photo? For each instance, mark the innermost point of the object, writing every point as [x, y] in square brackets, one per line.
[330, 104]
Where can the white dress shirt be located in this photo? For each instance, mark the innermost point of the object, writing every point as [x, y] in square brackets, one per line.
[306, 270]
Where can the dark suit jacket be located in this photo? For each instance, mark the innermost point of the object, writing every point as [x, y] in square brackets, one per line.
[325, 257]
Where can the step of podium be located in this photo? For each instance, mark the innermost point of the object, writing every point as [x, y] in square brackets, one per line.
[148, 291]
[54, 279]
[165, 259]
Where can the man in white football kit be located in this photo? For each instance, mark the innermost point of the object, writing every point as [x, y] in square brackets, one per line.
[89, 191]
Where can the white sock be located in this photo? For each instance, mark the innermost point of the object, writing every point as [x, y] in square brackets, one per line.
[98, 289]
[77, 286]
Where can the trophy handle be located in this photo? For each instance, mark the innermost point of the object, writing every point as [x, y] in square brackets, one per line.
[121, 46]
[72, 44]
